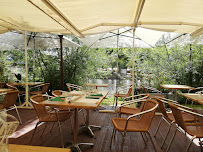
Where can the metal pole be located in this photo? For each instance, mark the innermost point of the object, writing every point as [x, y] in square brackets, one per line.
[133, 60]
[61, 63]
[34, 60]
[26, 71]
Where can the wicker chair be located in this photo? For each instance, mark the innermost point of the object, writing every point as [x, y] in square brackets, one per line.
[152, 92]
[193, 129]
[124, 125]
[198, 90]
[45, 116]
[20, 93]
[119, 93]
[9, 102]
[72, 87]
[44, 88]
[169, 118]
[2, 84]
[131, 106]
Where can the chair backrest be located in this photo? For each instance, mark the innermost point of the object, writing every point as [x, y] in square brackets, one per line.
[56, 93]
[196, 90]
[73, 87]
[40, 110]
[178, 116]
[10, 98]
[11, 87]
[2, 84]
[162, 107]
[130, 90]
[45, 88]
[146, 118]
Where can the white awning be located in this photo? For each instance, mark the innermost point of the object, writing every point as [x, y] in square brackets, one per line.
[85, 17]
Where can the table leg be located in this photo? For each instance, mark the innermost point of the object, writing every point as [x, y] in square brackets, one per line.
[88, 128]
[77, 146]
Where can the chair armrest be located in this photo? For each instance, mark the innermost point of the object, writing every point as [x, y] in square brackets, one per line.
[140, 113]
[190, 112]
[135, 96]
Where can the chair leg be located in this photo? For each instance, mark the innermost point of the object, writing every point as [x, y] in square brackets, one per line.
[123, 140]
[167, 134]
[143, 138]
[19, 99]
[59, 124]
[200, 142]
[151, 141]
[188, 147]
[171, 140]
[158, 126]
[34, 131]
[112, 136]
[44, 129]
[52, 126]
[18, 114]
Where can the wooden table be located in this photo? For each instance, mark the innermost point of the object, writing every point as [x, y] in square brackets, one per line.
[26, 148]
[193, 96]
[5, 90]
[81, 103]
[95, 85]
[175, 87]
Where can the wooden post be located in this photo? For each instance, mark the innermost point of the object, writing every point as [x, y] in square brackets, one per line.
[61, 62]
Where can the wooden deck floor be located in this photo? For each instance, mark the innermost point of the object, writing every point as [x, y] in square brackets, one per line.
[102, 137]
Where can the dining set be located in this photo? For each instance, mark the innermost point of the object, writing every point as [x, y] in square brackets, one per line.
[134, 114]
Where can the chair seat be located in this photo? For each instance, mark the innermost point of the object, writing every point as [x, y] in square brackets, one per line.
[134, 125]
[63, 116]
[129, 110]
[36, 92]
[195, 129]
[21, 92]
[120, 95]
[187, 117]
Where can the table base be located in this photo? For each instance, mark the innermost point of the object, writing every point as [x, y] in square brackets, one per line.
[79, 146]
[89, 130]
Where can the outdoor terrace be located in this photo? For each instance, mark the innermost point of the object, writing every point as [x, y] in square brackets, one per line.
[102, 137]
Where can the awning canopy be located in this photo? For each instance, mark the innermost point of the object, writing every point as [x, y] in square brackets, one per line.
[14, 40]
[85, 17]
[144, 38]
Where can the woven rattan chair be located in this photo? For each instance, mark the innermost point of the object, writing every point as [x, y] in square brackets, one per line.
[130, 105]
[2, 84]
[72, 87]
[119, 93]
[45, 116]
[152, 92]
[193, 129]
[43, 87]
[9, 102]
[20, 93]
[169, 118]
[198, 90]
[124, 125]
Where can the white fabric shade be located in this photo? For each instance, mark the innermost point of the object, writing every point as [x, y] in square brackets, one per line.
[145, 38]
[82, 18]
[13, 41]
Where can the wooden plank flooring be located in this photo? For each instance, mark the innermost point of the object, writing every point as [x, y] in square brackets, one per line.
[101, 140]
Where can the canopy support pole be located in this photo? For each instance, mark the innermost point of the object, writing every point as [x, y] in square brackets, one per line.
[26, 104]
[61, 62]
[133, 61]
